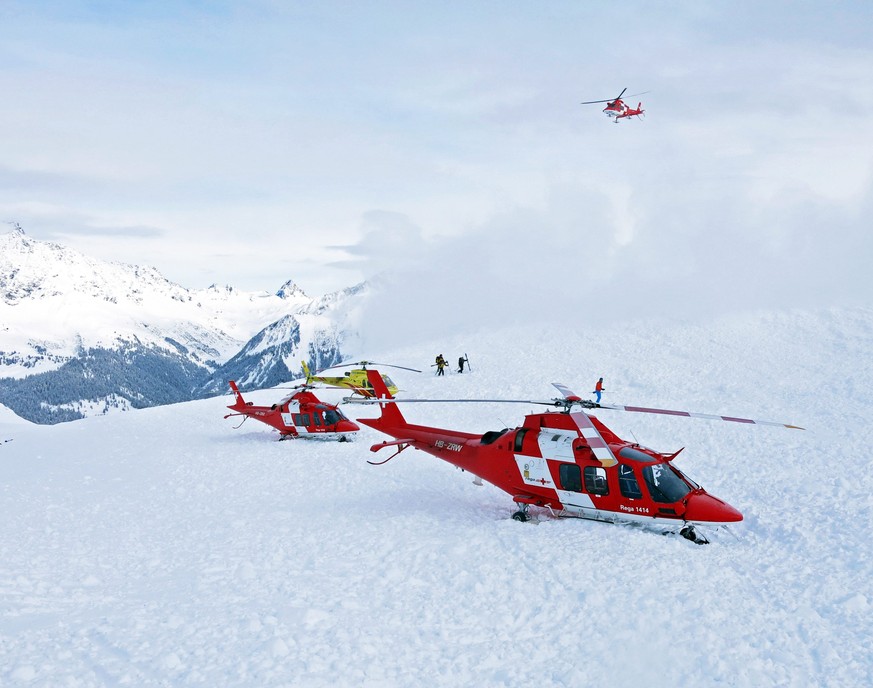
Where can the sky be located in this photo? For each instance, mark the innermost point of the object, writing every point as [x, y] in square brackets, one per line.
[444, 147]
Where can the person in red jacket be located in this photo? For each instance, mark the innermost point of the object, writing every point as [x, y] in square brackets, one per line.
[599, 389]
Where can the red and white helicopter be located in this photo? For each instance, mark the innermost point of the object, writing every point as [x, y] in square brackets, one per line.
[300, 414]
[569, 463]
[617, 109]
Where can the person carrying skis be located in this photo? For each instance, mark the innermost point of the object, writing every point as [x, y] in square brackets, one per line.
[441, 364]
[461, 364]
[599, 389]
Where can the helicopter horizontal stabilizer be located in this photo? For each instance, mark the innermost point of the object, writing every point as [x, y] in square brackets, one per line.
[393, 443]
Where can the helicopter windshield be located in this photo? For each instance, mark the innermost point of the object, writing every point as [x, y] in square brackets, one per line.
[333, 416]
[664, 484]
[388, 381]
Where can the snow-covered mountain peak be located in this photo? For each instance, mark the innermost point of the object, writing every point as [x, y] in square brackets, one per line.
[290, 290]
[34, 269]
[146, 339]
[15, 233]
[56, 299]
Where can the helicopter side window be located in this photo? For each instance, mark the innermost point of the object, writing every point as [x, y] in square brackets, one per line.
[316, 417]
[519, 439]
[627, 482]
[301, 419]
[571, 477]
[595, 480]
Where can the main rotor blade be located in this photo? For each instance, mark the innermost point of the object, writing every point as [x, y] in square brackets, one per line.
[622, 93]
[364, 364]
[414, 370]
[642, 93]
[566, 391]
[571, 399]
[689, 414]
[251, 390]
[592, 102]
[371, 400]
[595, 440]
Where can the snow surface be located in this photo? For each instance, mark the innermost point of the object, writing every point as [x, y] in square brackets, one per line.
[164, 547]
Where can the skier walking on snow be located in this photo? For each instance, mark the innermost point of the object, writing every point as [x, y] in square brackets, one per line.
[599, 389]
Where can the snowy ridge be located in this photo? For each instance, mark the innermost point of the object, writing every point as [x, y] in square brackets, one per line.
[55, 302]
[318, 333]
[80, 336]
[165, 547]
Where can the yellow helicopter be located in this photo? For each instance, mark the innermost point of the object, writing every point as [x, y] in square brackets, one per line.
[355, 379]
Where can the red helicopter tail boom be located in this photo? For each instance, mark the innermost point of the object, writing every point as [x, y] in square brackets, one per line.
[237, 394]
[391, 415]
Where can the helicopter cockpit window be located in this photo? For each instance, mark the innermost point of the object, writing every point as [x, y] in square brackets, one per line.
[663, 483]
[595, 480]
[571, 477]
[333, 416]
[388, 382]
[634, 455]
[627, 482]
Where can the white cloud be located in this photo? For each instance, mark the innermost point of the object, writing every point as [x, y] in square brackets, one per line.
[251, 139]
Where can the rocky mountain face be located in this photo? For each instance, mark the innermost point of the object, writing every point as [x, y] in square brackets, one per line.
[80, 336]
[318, 333]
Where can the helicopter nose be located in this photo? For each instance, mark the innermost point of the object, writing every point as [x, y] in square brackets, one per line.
[704, 508]
[347, 426]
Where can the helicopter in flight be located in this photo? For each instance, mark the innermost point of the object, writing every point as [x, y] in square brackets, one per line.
[355, 380]
[300, 414]
[569, 463]
[617, 109]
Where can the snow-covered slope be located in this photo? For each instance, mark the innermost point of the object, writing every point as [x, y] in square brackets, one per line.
[164, 547]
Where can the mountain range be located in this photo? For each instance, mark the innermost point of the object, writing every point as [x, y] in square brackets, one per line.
[81, 336]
